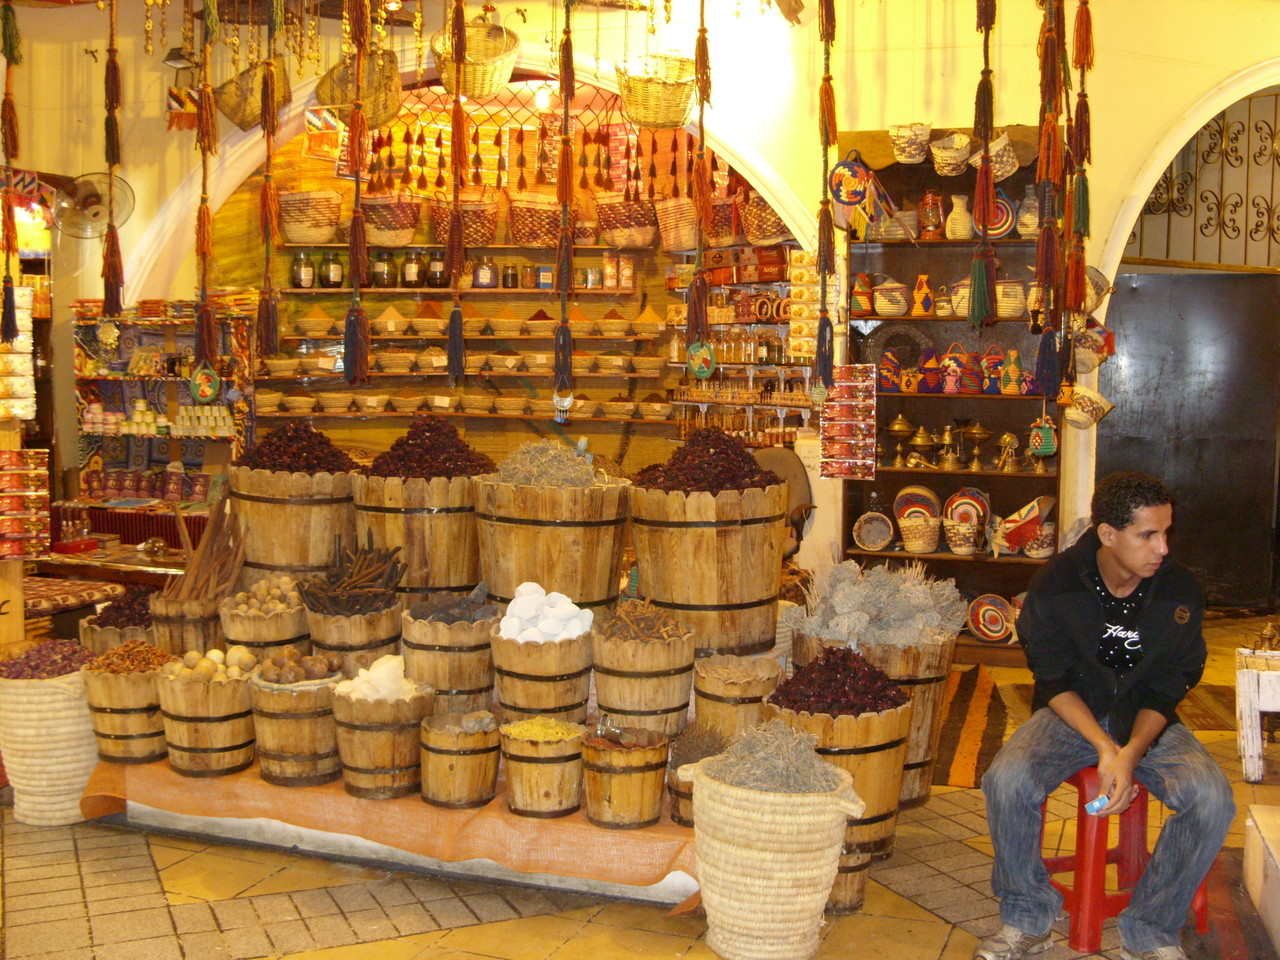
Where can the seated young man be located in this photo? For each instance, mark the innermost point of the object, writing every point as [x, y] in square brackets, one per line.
[1112, 634]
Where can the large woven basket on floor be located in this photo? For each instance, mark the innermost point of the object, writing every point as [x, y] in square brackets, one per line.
[766, 863]
[657, 91]
[490, 56]
[49, 747]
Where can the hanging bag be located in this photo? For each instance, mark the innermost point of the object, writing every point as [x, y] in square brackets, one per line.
[992, 365]
[240, 98]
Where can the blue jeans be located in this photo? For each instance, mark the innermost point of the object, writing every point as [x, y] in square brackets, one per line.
[1177, 769]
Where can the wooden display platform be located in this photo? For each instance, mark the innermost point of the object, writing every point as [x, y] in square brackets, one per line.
[971, 650]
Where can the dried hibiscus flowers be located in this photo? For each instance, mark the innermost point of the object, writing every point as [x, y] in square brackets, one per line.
[710, 460]
[431, 448]
[839, 682]
[297, 447]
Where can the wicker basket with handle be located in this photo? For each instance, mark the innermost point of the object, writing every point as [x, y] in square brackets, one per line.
[657, 91]
[677, 223]
[726, 228]
[391, 221]
[534, 219]
[490, 56]
[309, 216]
[380, 89]
[626, 223]
[479, 218]
[760, 222]
[240, 98]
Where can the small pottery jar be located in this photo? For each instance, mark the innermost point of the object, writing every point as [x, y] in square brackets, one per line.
[959, 220]
[1029, 214]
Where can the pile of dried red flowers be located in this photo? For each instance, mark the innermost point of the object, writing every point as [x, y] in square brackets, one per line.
[431, 448]
[297, 447]
[709, 460]
[839, 682]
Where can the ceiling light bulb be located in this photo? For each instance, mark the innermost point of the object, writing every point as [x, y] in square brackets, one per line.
[542, 98]
[391, 6]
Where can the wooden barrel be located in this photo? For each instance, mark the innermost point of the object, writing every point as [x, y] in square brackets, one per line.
[291, 519]
[181, 625]
[208, 727]
[456, 659]
[265, 633]
[553, 678]
[297, 738]
[433, 522]
[871, 747]
[714, 561]
[124, 709]
[643, 682]
[569, 539]
[359, 640]
[544, 777]
[805, 648]
[681, 792]
[379, 743]
[459, 769]
[921, 670]
[622, 785]
[731, 706]
[101, 639]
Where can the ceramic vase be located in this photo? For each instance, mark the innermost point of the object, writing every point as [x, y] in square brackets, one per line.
[959, 220]
[1029, 214]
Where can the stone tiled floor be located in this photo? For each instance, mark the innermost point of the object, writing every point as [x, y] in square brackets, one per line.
[99, 891]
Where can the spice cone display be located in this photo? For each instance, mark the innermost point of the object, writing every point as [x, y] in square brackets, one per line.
[729, 692]
[296, 733]
[208, 726]
[124, 709]
[379, 743]
[543, 767]
[551, 678]
[623, 776]
[455, 659]
[459, 760]
[432, 521]
[643, 668]
[312, 509]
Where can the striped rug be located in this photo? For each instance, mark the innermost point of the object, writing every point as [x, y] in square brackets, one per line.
[973, 728]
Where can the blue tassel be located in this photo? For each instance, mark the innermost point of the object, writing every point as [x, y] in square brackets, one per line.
[826, 349]
[9, 315]
[456, 348]
[355, 345]
[563, 368]
[1048, 370]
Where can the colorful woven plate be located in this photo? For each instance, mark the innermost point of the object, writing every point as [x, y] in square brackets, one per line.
[873, 531]
[991, 618]
[916, 501]
[968, 505]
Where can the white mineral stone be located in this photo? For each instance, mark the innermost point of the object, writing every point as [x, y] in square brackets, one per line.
[525, 607]
[572, 627]
[510, 627]
[587, 616]
[555, 599]
[530, 589]
[532, 635]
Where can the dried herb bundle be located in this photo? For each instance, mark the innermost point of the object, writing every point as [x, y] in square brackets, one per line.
[710, 460]
[546, 463]
[131, 610]
[693, 744]
[839, 682]
[446, 608]
[899, 605]
[364, 581]
[431, 448]
[774, 758]
[296, 447]
[641, 620]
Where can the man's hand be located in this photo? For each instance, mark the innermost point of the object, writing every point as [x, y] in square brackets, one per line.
[1115, 778]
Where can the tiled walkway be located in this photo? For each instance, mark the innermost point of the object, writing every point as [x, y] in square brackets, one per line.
[103, 892]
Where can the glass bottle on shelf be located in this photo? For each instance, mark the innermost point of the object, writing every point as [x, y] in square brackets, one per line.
[302, 272]
[331, 271]
[510, 277]
[485, 274]
[437, 276]
[382, 271]
[413, 272]
[764, 352]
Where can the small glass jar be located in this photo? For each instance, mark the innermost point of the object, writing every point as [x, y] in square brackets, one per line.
[413, 271]
[302, 272]
[510, 277]
[485, 274]
[382, 271]
[437, 276]
[528, 276]
[331, 270]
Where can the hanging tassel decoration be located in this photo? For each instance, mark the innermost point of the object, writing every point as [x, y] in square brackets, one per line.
[984, 109]
[206, 122]
[456, 350]
[827, 111]
[204, 228]
[355, 344]
[270, 118]
[1048, 373]
[1074, 286]
[984, 193]
[982, 292]
[10, 39]
[112, 273]
[1050, 63]
[357, 250]
[702, 65]
[1047, 255]
[701, 191]
[458, 139]
[268, 327]
[564, 171]
[826, 238]
[1080, 204]
[1082, 41]
[212, 21]
[9, 312]
[9, 127]
[361, 22]
[986, 15]
[1082, 134]
[568, 82]
[562, 368]
[697, 330]
[269, 210]
[826, 350]
[10, 227]
[206, 333]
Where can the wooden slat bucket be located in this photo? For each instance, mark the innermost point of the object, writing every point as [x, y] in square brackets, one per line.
[101, 639]
[265, 634]
[569, 539]
[805, 649]
[297, 737]
[681, 792]
[359, 640]
[433, 522]
[921, 670]
[291, 519]
[729, 706]
[208, 726]
[181, 625]
[871, 747]
[379, 742]
[456, 659]
[552, 679]
[124, 709]
[544, 777]
[643, 682]
[622, 785]
[714, 561]
[459, 769]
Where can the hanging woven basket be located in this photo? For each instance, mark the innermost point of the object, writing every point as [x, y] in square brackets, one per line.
[657, 91]
[490, 56]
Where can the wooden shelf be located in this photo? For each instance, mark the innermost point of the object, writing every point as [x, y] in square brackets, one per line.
[952, 397]
[944, 242]
[392, 414]
[974, 474]
[132, 379]
[945, 555]
[445, 373]
[647, 338]
[444, 293]
[162, 436]
[436, 246]
[876, 317]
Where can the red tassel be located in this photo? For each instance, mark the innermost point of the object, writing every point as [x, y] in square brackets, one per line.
[568, 82]
[1082, 144]
[826, 238]
[355, 345]
[357, 134]
[204, 229]
[206, 333]
[269, 116]
[267, 335]
[701, 191]
[357, 250]
[827, 21]
[10, 230]
[112, 273]
[1047, 257]
[702, 66]
[9, 127]
[458, 31]
[207, 122]
[986, 15]
[697, 330]
[269, 211]
[564, 174]
[111, 140]
[1082, 42]
[111, 81]
[1049, 163]
[984, 194]
[827, 112]
[360, 23]
[1073, 295]
[455, 254]
[458, 139]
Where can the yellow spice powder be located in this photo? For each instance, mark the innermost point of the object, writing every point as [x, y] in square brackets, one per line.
[543, 728]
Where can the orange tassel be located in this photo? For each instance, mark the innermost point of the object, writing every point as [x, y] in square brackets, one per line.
[269, 116]
[458, 32]
[204, 229]
[269, 211]
[702, 66]
[564, 173]
[458, 139]
[827, 112]
[827, 21]
[207, 122]
[1082, 42]
[10, 231]
[357, 134]
[568, 82]
[702, 192]
[1049, 163]
[1075, 282]
[984, 195]
[360, 23]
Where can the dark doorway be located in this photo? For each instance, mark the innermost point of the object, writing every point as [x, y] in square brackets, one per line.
[1195, 383]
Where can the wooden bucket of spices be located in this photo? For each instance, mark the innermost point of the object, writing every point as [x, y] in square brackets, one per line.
[124, 709]
[569, 539]
[359, 640]
[544, 766]
[729, 692]
[101, 639]
[714, 561]
[460, 759]
[871, 746]
[623, 773]
[208, 727]
[432, 521]
[680, 790]
[265, 634]
[921, 670]
[643, 661]
[291, 520]
[182, 625]
[379, 743]
[297, 736]
[551, 678]
[456, 659]
[687, 748]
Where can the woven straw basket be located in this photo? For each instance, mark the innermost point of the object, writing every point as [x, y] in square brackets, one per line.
[626, 223]
[310, 216]
[240, 98]
[490, 56]
[657, 91]
[761, 223]
[534, 220]
[752, 844]
[479, 221]
[920, 534]
[391, 221]
[950, 154]
[726, 229]
[380, 91]
[677, 223]
[49, 747]
[962, 536]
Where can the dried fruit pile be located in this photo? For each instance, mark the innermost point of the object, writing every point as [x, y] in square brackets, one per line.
[133, 656]
[297, 447]
[289, 667]
[710, 460]
[431, 448]
[131, 610]
[839, 682]
[53, 658]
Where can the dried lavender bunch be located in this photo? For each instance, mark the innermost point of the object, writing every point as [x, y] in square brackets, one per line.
[775, 758]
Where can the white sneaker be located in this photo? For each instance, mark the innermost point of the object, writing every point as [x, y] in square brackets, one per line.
[1014, 944]
[1159, 953]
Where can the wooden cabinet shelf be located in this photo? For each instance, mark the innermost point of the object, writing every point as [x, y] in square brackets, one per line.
[392, 414]
[438, 293]
[943, 555]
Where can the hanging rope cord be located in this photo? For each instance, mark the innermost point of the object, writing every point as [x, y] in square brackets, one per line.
[563, 343]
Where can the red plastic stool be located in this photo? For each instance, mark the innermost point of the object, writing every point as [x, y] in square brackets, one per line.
[1088, 902]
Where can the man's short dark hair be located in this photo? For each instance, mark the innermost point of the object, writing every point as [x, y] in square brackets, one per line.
[1118, 495]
